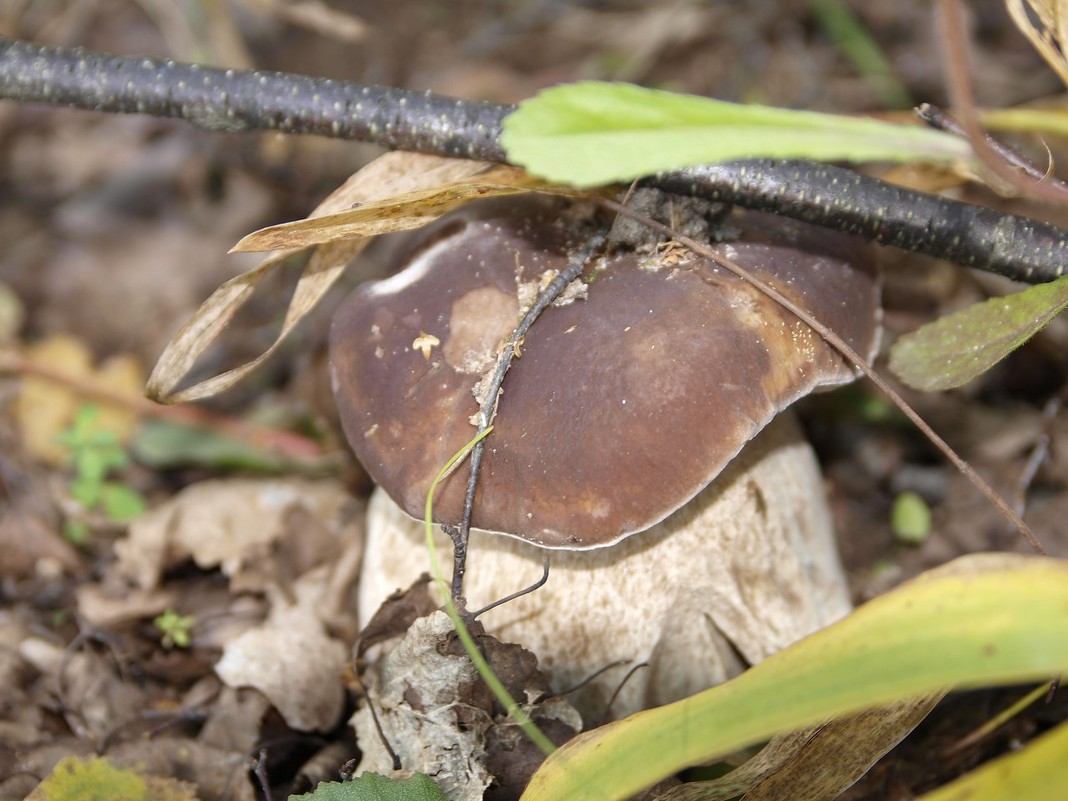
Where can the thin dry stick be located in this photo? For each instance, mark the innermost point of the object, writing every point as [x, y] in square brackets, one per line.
[291, 445]
[962, 98]
[852, 357]
[488, 408]
[938, 118]
[239, 100]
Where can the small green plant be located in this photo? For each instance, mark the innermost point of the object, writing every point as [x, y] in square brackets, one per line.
[94, 453]
[177, 629]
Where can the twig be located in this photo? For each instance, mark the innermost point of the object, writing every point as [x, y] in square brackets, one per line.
[291, 445]
[238, 100]
[954, 30]
[537, 585]
[851, 356]
[938, 118]
[488, 407]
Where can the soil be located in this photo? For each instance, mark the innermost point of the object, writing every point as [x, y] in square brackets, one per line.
[115, 229]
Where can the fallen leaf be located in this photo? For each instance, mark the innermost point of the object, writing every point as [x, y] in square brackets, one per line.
[226, 524]
[47, 407]
[292, 660]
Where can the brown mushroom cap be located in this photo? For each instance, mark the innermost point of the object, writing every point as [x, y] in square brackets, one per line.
[624, 405]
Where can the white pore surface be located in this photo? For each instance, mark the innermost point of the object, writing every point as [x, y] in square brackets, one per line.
[751, 561]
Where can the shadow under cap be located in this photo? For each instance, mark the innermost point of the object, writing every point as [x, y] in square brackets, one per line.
[624, 405]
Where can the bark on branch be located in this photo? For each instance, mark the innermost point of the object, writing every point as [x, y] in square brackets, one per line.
[240, 100]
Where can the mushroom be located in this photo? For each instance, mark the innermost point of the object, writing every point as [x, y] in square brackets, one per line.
[628, 399]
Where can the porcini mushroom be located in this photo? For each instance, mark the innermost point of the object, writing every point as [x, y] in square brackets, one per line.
[624, 406]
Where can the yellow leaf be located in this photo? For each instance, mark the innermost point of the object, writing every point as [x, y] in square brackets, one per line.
[50, 397]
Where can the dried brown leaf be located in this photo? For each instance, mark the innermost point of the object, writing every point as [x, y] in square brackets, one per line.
[399, 213]
[1045, 23]
[391, 175]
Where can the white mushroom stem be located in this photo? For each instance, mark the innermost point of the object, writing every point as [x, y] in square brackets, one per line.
[744, 569]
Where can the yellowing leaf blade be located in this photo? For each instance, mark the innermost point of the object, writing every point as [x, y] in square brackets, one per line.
[1029, 774]
[984, 619]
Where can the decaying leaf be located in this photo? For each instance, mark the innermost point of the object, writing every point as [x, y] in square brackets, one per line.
[1045, 23]
[226, 524]
[959, 347]
[399, 213]
[292, 660]
[815, 764]
[374, 190]
[441, 719]
[74, 779]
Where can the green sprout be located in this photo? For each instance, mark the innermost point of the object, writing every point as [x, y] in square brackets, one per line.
[176, 629]
[94, 453]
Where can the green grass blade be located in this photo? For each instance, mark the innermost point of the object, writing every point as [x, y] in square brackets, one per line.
[592, 133]
[982, 620]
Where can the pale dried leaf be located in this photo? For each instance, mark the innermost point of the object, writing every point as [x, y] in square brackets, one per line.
[223, 524]
[1045, 23]
[292, 660]
[399, 213]
[818, 764]
[392, 174]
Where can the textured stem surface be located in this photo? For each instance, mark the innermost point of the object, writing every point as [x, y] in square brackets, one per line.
[239, 100]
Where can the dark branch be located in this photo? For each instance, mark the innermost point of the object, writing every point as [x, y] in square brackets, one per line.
[236, 100]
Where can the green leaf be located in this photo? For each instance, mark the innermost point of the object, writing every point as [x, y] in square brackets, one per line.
[86, 491]
[956, 348]
[163, 445]
[592, 133]
[910, 518]
[1025, 775]
[121, 502]
[982, 620]
[372, 787]
[76, 532]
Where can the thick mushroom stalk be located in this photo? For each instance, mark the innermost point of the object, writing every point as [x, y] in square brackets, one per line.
[625, 404]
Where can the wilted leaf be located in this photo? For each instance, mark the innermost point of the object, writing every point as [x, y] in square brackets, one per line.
[392, 174]
[225, 523]
[1044, 22]
[983, 619]
[591, 133]
[98, 780]
[398, 213]
[372, 787]
[1025, 775]
[817, 763]
[956, 348]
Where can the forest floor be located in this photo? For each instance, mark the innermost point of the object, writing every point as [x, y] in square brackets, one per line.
[115, 229]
